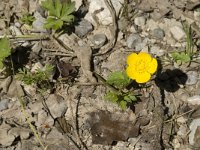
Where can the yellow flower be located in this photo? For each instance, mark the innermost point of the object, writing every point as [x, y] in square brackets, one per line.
[141, 66]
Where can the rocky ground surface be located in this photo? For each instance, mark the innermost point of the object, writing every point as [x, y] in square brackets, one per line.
[73, 114]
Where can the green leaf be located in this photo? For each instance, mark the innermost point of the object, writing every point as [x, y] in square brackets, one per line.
[118, 79]
[130, 98]
[5, 50]
[53, 23]
[185, 57]
[123, 104]
[49, 5]
[68, 8]
[111, 96]
[1, 65]
[181, 57]
[69, 18]
[27, 19]
[58, 8]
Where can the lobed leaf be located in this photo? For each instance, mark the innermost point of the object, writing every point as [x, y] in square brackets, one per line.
[53, 23]
[68, 8]
[130, 98]
[111, 96]
[181, 57]
[58, 8]
[118, 79]
[69, 18]
[49, 5]
[123, 104]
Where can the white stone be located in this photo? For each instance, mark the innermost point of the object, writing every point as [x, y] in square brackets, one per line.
[140, 21]
[197, 16]
[194, 100]
[157, 51]
[166, 24]
[57, 105]
[176, 143]
[15, 30]
[36, 66]
[38, 24]
[104, 16]
[177, 32]
[183, 131]
[181, 120]
[5, 138]
[193, 126]
[192, 77]
[151, 24]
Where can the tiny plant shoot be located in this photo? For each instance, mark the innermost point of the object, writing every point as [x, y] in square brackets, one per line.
[59, 14]
[186, 56]
[27, 19]
[119, 80]
[41, 77]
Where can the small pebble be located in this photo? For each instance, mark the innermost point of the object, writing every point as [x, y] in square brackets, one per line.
[99, 39]
[2, 24]
[38, 24]
[83, 28]
[194, 100]
[192, 78]
[157, 51]
[140, 21]
[158, 33]
[177, 32]
[4, 104]
[193, 127]
[133, 40]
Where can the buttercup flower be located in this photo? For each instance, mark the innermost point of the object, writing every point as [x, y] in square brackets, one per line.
[141, 66]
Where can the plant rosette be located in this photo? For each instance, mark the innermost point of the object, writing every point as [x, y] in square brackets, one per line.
[141, 67]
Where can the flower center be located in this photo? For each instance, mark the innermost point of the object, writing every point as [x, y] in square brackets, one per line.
[141, 66]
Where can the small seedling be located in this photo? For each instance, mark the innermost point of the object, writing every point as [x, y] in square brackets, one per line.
[27, 19]
[120, 81]
[5, 50]
[59, 13]
[186, 56]
[181, 58]
[41, 77]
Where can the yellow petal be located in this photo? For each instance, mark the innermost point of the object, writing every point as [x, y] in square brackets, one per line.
[131, 59]
[130, 71]
[142, 77]
[153, 66]
[145, 56]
